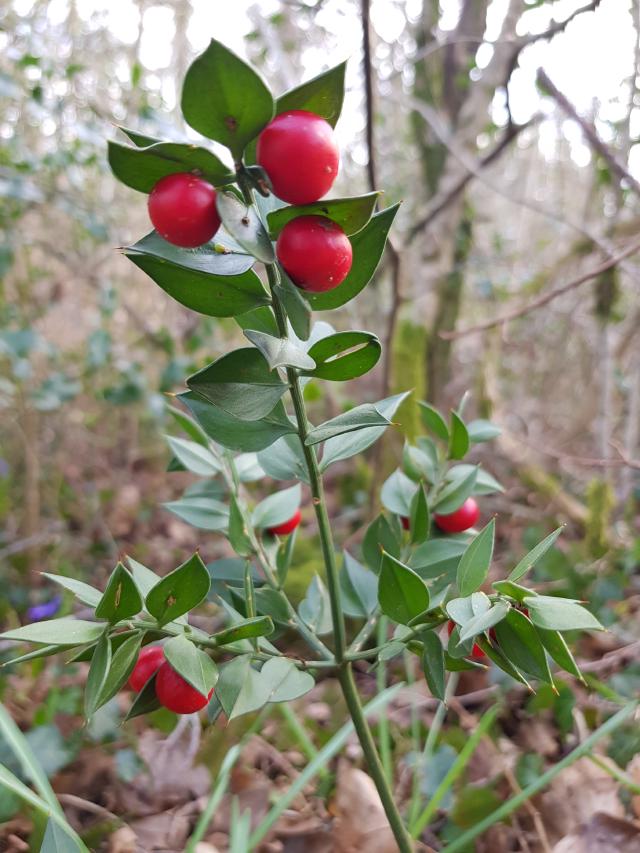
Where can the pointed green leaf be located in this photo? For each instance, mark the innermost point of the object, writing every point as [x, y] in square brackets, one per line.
[296, 306]
[142, 168]
[433, 664]
[402, 593]
[397, 493]
[98, 671]
[557, 647]
[380, 536]
[64, 632]
[433, 421]
[455, 493]
[360, 417]
[277, 508]
[121, 598]
[483, 621]
[238, 534]
[481, 430]
[315, 608]
[351, 214]
[343, 356]
[123, 661]
[520, 643]
[284, 680]
[474, 564]
[195, 458]
[223, 98]
[179, 591]
[359, 588]
[58, 840]
[245, 226]
[530, 559]
[240, 689]
[193, 664]
[83, 591]
[256, 626]
[280, 352]
[560, 614]
[285, 460]
[201, 512]
[215, 259]
[322, 95]
[240, 383]
[145, 702]
[458, 437]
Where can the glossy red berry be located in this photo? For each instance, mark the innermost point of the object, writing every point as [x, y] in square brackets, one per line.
[176, 694]
[460, 520]
[183, 210]
[315, 252]
[298, 151]
[149, 662]
[286, 527]
[476, 651]
[404, 521]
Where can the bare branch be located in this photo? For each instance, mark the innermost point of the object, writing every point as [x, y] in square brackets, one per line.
[546, 297]
[588, 131]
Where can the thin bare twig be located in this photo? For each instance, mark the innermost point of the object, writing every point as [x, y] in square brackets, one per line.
[546, 298]
[588, 131]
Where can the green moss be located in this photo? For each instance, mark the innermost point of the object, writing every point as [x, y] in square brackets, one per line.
[408, 371]
[600, 503]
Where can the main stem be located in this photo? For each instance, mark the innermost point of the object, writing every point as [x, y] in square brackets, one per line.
[345, 671]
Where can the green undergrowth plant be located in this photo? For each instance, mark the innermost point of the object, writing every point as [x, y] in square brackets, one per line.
[423, 567]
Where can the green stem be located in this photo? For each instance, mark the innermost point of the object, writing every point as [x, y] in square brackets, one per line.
[402, 837]
[616, 773]
[384, 739]
[300, 734]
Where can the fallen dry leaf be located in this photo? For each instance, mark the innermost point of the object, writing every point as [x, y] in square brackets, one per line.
[602, 834]
[361, 823]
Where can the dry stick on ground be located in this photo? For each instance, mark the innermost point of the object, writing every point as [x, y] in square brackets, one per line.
[586, 461]
[546, 297]
[589, 132]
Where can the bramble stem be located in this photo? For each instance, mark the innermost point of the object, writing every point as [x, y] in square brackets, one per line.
[345, 671]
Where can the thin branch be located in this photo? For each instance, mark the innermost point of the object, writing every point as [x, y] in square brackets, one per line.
[546, 298]
[368, 89]
[588, 131]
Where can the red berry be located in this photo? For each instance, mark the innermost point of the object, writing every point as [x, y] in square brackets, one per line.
[287, 526]
[298, 151]
[149, 662]
[404, 521]
[176, 694]
[476, 651]
[315, 252]
[460, 520]
[183, 210]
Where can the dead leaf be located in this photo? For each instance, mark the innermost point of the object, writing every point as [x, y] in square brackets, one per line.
[602, 834]
[361, 823]
[123, 840]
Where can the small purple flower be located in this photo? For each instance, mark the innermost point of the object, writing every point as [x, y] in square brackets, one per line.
[44, 610]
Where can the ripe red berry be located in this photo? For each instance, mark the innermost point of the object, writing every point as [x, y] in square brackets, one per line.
[183, 210]
[176, 694]
[149, 662]
[315, 252]
[287, 526]
[460, 520]
[298, 151]
[404, 521]
[476, 651]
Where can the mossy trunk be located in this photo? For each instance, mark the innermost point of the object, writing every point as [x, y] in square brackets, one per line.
[408, 371]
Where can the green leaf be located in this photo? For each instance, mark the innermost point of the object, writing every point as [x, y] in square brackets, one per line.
[272, 603]
[245, 226]
[368, 246]
[360, 417]
[557, 647]
[483, 621]
[240, 688]
[123, 662]
[351, 214]
[402, 593]
[57, 840]
[121, 598]
[238, 533]
[397, 493]
[142, 168]
[344, 446]
[145, 579]
[195, 458]
[513, 590]
[474, 564]
[421, 463]
[261, 319]
[485, 484]
[521, 645]
[458, 437]
[463, 610]
[277, 508]
[559, 614]
[214, 259]
[237, 434]
[455, 493]
[223, 98]
[98, 671]
[213, 296]
[179, 591]
[433, 421]
[323, 95]
[433, 664]
[280, 352]
[35, 654]
[201, 512]
[343, 356]
[256, 626]
[285, 460]
[380, 536]
[296, 306]
[64, 632]
[481, 430]
[240, 383]
[189, 425]
[530, 559]
[140, 140]
[284, 680]
[193, 664]
[419, 518]
[83, 591]
[437, 557]
[315, 608]
[145, 702]
[358, 587]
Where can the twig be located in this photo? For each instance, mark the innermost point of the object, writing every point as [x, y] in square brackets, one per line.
[545, 298]
[586, 461]
[87, 806]
[611, 659]
[589, 132]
